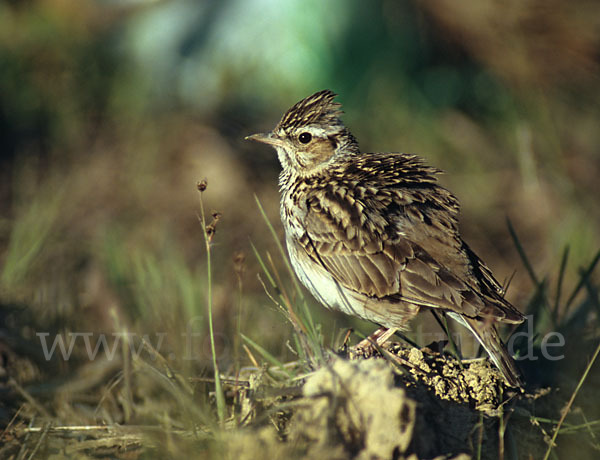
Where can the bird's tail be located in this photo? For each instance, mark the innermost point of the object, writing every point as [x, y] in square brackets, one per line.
[490, 340]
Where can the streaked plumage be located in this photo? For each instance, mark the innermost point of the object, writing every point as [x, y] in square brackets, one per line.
[374, 235]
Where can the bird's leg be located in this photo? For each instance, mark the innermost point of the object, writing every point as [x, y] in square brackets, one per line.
[346, 338]
[368, 345]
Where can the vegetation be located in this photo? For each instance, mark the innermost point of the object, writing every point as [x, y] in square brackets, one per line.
[110, 116]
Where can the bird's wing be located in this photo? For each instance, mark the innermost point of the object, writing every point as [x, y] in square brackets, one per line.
[409, 250]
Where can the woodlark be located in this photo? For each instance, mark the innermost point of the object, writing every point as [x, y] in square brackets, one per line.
[374, 235]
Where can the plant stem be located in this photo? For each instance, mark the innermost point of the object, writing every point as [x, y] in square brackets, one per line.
[570, 403]
[218, 387]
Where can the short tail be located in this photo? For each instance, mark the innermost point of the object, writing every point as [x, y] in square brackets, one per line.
[490, 340]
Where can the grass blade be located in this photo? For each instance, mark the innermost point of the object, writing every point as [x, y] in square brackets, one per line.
[584, 277]
[265, 269]
[570, 403]
[280, 247]
[561, 273]
[522, 253]
[305, 316]
[541, 285]
[268, 356]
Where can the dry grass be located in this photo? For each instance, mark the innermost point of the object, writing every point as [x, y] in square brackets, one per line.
[99, 234]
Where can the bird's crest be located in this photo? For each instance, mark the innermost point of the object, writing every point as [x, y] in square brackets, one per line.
[320, 108]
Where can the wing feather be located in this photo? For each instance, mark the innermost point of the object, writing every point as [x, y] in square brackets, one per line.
[401, 244]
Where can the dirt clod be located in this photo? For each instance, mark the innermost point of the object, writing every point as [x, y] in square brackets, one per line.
[372, 424]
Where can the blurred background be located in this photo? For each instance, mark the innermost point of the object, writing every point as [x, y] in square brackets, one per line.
[111, 111]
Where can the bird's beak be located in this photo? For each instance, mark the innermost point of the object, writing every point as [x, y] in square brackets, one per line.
[265, 138]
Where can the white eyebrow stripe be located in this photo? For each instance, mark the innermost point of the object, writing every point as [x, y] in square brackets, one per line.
[315, 131]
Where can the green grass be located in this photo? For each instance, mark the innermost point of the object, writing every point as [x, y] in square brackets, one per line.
[31, 231]
[198, 403]
[157, 287]
[99, 231]
[307, 335]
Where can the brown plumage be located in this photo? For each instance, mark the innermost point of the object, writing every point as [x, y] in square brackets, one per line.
[374, 235]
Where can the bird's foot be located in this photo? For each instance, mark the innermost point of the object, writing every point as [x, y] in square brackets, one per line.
[368, 346]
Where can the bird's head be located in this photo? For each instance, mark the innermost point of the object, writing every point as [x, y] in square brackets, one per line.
[310, 135]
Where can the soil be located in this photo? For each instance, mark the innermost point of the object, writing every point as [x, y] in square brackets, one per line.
[415, 404]
[397, 403]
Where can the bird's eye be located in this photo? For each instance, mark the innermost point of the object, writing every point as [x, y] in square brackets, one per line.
[305, 138]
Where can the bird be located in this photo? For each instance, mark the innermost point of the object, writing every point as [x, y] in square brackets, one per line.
[374, 235]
